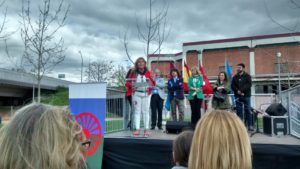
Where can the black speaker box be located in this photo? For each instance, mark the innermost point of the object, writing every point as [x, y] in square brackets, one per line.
[276, 109]
[273, 125]
[177, 126]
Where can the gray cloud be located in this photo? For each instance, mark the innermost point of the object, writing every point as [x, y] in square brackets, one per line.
[95, 27]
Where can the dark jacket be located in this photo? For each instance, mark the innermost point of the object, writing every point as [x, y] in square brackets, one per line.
[242, 83]
[175, 89]
[222, 105]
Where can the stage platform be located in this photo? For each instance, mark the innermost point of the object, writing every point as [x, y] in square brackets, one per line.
[121, 150]
[257, 138]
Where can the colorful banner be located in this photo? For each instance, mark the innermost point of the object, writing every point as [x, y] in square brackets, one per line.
[88, 105]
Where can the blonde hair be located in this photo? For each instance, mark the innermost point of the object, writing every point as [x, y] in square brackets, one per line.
[220, 141]
[41, 136]
[196, 69]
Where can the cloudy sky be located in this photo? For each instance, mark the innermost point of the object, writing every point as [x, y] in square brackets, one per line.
[95, 27]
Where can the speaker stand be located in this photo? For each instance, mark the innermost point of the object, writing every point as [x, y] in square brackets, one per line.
[255, 112]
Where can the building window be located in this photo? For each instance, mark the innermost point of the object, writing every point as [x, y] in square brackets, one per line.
[283, 67]
[221, 68]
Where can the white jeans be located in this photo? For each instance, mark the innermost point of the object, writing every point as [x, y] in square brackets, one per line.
[141, 106]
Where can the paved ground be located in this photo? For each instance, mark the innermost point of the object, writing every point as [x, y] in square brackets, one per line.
[256, 138]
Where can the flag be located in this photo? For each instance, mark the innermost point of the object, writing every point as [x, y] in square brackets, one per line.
[88, 106]
[172, 66]
[168, 103]
[228, 69]
[207, 88]
[229, 75]
[186, 75]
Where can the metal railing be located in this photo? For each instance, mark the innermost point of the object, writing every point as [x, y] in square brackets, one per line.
[116, 111]
[290, 99]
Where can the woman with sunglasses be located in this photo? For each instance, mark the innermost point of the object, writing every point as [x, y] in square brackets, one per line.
[42, 137]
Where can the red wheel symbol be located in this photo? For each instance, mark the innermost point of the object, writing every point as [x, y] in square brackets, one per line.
[91, 129]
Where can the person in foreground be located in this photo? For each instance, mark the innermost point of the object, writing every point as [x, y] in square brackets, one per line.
[220, 141]
[181, 149]
[41, 137]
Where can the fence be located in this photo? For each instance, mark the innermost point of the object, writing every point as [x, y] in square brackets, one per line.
[118, 109]
[291, 101]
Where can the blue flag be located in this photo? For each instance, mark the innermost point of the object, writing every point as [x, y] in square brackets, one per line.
[229, 75]
[168, 103]
[228, 69]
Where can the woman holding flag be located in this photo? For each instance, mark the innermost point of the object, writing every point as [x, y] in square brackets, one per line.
[195, 95]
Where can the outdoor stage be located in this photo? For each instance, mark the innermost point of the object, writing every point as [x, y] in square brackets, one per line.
[121, 151]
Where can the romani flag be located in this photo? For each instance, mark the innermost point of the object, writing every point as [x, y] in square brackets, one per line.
[186, 75]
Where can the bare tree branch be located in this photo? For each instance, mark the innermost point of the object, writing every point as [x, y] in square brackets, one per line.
[42, 51]
[99, 71]
[126, 43]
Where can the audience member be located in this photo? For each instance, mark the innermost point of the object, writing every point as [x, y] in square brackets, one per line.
[220, 141]
[181, 149]
[41, 137]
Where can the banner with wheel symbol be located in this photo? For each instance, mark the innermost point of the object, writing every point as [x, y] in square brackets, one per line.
[88, 106]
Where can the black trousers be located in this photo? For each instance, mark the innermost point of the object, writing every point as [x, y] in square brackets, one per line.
[196, 110]
[156, 110]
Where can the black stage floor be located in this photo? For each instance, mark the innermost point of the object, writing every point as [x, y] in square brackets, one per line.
[121, 151]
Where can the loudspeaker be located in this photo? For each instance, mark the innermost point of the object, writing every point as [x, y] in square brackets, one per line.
[274, 125]
[276, 109]
[177, 126]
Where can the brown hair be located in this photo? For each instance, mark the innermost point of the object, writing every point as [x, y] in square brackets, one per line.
[220, 141]
[175, 70]
[137, 61]
[181, 147]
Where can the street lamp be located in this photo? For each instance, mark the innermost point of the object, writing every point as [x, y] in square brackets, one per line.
[278, 54]
[81, 65]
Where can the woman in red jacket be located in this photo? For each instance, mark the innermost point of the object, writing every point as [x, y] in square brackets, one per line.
[141, 94]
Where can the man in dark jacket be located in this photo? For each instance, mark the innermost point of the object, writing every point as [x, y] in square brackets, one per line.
[241, 86]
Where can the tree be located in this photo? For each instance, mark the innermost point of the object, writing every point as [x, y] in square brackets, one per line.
[42, 50]
[99, 71]
[119, 76]
[3, 34]
[152, 33]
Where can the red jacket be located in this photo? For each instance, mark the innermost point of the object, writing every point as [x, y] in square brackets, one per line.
[132, 74]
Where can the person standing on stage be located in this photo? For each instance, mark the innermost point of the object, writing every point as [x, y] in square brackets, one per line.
[141, 95]
[241, 86]
[157, 100]
[195, 96]
[222, 85]
[128, 95]
[175, 89]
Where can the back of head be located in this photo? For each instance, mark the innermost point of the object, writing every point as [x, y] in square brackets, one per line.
[41, 136]
[220, 141]
[181, 147]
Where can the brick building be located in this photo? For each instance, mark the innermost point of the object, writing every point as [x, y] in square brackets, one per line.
[258, 53]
